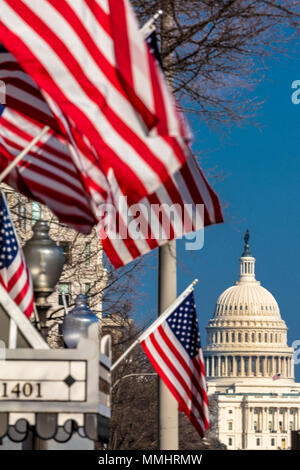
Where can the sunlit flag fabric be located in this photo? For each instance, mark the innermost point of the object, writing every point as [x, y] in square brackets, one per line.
[14, 274]
[89, 58]
[184, 204]
[49, 175]
[175, 352]
[66, 173]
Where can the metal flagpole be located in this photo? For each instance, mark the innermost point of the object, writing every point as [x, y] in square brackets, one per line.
[24, 152]
[168, 427]
[167, 404]
[167, 291]
[156, 323]
[149, 26]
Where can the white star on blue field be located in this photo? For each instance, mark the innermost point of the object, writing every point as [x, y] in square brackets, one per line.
[8, 242]
[184, 324]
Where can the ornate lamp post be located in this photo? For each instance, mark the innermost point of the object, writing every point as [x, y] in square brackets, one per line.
[45, 262]
[77, 322]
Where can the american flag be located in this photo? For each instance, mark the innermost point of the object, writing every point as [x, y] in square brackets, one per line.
[14, 274]
[175, 352]
[276, 377]
[47, 173]
[90, 60]
[188, 188]
[51, 176]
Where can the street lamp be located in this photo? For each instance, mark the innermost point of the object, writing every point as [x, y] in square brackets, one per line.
[45, 262]
[77, 322]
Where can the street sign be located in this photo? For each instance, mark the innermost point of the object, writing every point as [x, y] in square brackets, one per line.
[53, 380]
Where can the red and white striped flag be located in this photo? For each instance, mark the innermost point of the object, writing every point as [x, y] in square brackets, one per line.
[69, 178]
[14, 274]
[126, 115]
[174, 349]
[57, 164]
[185, 203]
[50, 175]
[276, 377]
[47, 173]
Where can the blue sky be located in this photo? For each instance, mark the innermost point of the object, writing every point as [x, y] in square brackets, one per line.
[261, 193]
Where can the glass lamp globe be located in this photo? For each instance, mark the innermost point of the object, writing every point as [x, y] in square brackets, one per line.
[77, 322]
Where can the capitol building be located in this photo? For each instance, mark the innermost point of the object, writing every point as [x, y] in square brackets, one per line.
[249, 366]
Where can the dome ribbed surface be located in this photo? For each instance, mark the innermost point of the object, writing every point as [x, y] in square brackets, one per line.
[247, 299]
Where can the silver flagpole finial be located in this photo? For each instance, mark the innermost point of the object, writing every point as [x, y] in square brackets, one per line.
[149, 26]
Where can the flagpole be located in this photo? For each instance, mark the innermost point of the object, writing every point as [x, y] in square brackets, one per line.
[156, 323]
[168, 421]
[149, 26]
[24, 152]
[168, 432]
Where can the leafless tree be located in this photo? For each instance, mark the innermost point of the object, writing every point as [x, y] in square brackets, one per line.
[109, 291]
[218, 50]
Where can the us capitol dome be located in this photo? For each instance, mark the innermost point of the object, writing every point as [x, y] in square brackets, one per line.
[249, 366]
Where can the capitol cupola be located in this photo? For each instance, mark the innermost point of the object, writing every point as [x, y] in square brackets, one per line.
[247, 263]
[246, 336]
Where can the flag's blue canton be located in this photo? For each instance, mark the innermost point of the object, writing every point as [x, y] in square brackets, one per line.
[184, 324]
[153, 45]
[8, 241]
[2, 107]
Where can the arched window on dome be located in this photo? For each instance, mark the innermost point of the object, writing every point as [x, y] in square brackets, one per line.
[240, 337]
[238, 364]
[241, 307]
[266, 337]
[259, 337]
[233, 337]
[253, 337]
[235, 307]
[253, 365]
[246, 365]
[230, 365]
[246, 307]
[271, 338]
[261, 364]
[227, 337]
[276, 337]
[246, 337]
